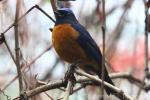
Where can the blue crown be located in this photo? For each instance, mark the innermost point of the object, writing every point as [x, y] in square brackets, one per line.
[65, 10]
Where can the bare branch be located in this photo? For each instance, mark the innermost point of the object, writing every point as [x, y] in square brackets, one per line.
[26, 66]
[146, 45]
[85, 81]
[20, 78]
[119, 93]
[2, 39]
[8, 97]
[43, 88]
[104, 37]
[37, 7]
[49, 96]
[68, 90]
[126, 75]
[54, 4]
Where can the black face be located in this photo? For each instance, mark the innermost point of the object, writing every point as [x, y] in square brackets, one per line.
[65, 15]
[64, 12]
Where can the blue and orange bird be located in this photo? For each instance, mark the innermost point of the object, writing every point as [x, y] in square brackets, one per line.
[73, 43]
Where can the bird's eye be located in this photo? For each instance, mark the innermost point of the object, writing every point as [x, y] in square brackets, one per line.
[65, 14]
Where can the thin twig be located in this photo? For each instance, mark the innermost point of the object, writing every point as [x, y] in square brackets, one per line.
[146, 40]
[36, 58]
[103, 58]
[115, 36]
[43, 88]
[68, 90]
[79, 88]
[48, 95]
[54, 4]
[130, 78]
[8, 97]
[10, 52]
[125, 75]
[48, 73]
[146, 45]
[20, 78]
[36, 6]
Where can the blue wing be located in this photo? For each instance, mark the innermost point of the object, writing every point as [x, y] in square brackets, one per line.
[87, 43]
[92, 50]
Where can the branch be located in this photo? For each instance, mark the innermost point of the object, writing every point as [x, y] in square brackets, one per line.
[37, 7]
[2, 39]
[53, 3]
[20, 78]
[15, 24]
[120, 75]
[53, 85]
[115, 36]
[85, 81]
[48, 73]
[49, 96]
[104, 38]
[2, 92]
[119, 93]
[26, 66]
[146, 39]
[125, 75]
[146, 44]
[130, 78]
[68, 90]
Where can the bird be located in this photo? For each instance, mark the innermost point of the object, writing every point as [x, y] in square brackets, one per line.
[73, 43]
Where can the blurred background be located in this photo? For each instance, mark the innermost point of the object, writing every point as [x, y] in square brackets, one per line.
[125, 28]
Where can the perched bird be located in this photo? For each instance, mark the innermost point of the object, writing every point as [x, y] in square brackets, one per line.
[73, 43]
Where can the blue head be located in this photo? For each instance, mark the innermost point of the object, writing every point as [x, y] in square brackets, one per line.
[65, 15]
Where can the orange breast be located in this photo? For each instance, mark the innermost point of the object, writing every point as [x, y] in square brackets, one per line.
[64, 39]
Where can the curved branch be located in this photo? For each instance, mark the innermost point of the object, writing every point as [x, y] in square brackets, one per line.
[119, 93]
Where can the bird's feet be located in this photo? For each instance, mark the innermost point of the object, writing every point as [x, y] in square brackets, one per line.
[70, 72]
[69, 75]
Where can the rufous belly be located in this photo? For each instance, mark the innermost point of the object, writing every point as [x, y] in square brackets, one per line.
[64, 39]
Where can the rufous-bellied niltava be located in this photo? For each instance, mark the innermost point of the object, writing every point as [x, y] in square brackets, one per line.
[73, 43]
